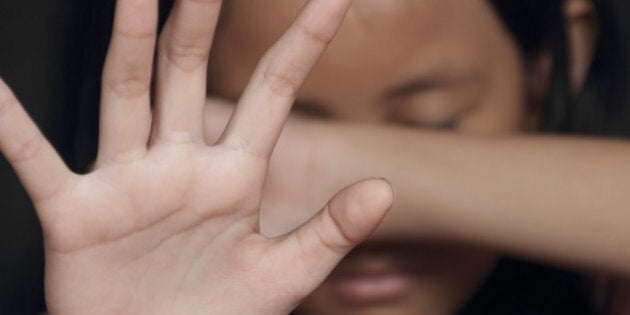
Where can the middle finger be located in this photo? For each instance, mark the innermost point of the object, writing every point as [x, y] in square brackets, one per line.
[182, 66]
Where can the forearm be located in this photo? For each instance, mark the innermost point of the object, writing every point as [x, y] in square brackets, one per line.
[559, 199]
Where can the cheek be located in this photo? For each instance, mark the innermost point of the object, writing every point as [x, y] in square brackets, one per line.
[502, 107]
[495, 119]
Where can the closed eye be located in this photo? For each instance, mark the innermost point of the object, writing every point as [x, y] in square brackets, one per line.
[310, 109]
[446, 125]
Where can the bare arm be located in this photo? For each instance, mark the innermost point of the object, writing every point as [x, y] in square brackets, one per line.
[564, 200]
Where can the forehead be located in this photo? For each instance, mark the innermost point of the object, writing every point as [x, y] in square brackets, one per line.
[394, 39]
[268, 18]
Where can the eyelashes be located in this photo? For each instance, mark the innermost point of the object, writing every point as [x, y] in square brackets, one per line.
[447, 125]
[311, 109]
[315, 110]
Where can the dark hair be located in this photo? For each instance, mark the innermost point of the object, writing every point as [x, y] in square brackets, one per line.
[600, 108]
[603, 106]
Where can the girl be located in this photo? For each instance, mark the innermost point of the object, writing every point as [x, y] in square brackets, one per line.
[485, 73]
[429, 65]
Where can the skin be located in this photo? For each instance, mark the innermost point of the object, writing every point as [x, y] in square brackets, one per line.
[431, 74]
[528, 218]
[166, 224]
[550, 208]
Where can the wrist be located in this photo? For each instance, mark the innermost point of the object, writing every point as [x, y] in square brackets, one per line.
[326, 159]
[361, 151]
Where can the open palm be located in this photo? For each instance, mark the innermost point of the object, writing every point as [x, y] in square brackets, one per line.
[166, 224]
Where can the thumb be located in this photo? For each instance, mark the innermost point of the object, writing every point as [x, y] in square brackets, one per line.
[348, 219]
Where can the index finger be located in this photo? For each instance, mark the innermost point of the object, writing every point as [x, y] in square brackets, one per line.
[266, 102]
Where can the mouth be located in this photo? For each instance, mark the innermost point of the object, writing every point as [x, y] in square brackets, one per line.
[369, 281]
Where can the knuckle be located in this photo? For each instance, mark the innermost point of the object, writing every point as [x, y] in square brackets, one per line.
[128, 33]
[281, 82]
[246, 148]
[177, 138]
[7, 100]
[236, 144]
[122, 157]
[334, 238]
[28, 149]
[128, 86]
[186, 57]
[340, 221]
[315, 34]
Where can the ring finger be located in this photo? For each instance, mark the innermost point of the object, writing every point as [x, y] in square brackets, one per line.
[182, 69]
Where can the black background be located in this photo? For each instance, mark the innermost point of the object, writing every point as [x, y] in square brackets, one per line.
[41, 58]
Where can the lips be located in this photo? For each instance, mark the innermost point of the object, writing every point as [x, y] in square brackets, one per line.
[370, 280]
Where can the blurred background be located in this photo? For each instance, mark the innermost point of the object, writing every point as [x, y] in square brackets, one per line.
[51, 55]
[42, 56]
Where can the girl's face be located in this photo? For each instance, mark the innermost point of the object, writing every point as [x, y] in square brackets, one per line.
[434, 64]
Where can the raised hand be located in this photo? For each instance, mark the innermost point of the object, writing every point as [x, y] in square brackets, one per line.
[166, 224]
[294, 188]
